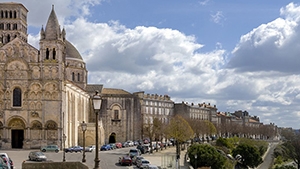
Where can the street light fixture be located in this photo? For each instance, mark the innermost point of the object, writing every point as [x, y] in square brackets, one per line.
[196, 161]
[83, 127]
[64, 152]
[97, 106]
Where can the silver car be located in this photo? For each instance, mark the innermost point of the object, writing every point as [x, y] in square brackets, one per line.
[37, 156]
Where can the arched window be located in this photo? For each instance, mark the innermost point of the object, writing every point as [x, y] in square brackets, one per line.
[10, 14]
[15, 14]
[47, 53]
[73, 76]
[8, 38]
[116, 114]
[8, 26]
[17, 97]
[1, 26]
[54, 53]
[78, 77]
[15, 26]
[6, 14]
[2, 14]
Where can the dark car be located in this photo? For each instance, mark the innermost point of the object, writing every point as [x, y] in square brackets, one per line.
[142, 149]
[125, 160]
[74, 149]
[105, 147]
[135, 159]
[134, 152]
[37, 156]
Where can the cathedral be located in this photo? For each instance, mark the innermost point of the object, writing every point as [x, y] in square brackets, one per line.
[44, 92]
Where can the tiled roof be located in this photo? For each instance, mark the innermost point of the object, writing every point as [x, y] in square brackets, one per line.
[91, 88]
[114, 91]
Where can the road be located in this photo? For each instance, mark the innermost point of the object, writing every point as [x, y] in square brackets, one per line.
[268, 156]
[109, 159]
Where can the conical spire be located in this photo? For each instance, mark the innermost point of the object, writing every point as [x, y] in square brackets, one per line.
[52, 30]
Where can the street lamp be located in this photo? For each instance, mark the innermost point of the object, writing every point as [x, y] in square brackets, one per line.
[97, 106]
[196, 161]
[64, 152]
[83, 127]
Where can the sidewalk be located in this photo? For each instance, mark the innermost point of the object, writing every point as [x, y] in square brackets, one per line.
[166, 158]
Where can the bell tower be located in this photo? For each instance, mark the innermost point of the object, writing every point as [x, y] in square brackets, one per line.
[13, 22]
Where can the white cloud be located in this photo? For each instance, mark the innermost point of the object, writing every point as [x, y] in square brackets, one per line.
[218, 17]
[271, 47]
[261, 77]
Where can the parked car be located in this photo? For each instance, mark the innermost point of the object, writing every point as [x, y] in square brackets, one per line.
[151, 166]
[5, 159]
[119, 145]
[130, 143]
[37, 156]
[74, 149]
[142, 163]
[113, 146]
[125, 160]
[135, 159]
[3, 164]
[90, 148]
[49, 148]
[105, 147]
[125, 144]
[11, 163]
[134, 152]
[142, 149]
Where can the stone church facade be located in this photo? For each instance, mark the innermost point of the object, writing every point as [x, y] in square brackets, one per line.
[43, 91]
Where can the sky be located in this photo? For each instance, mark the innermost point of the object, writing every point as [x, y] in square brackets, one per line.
[237, 55]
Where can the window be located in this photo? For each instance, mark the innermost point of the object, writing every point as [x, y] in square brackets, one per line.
[47, 53]
[73, 76]
[1, 26]
[116, 114]
[17, 97]
[15, 26]
[54, 53]
[78, 77]
[8, 26]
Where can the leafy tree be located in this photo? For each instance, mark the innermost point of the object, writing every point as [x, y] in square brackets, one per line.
[179, 129]
[292, 148]
[151, 129]
[223, 142]
[250, 154]
[207, 156]
[285, 167]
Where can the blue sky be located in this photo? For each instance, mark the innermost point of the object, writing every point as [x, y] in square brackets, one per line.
[238, 55]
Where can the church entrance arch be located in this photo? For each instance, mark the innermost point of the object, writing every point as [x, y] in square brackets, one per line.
[17, 132]
[112, 138]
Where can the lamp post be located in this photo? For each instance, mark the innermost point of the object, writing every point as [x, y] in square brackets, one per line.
[97, 106]
[83, 127]
[196, 161]
[64, 152]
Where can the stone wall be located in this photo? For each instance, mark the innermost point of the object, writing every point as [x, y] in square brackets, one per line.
[54, 165]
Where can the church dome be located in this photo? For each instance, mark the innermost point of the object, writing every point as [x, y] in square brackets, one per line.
[72, 52]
